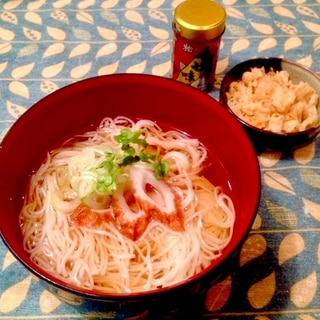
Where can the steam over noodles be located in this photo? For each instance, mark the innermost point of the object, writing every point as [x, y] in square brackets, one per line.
[125, 208]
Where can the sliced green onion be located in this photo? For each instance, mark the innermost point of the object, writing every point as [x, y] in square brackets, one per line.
[85, 187]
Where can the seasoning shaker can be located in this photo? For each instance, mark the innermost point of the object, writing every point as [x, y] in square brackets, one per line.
[198, 26]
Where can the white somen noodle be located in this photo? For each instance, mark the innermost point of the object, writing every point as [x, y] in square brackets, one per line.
[119, 217]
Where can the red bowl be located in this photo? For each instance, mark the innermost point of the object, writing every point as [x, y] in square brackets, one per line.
[80, 107]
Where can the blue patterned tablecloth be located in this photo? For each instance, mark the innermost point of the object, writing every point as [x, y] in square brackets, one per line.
[45, 45]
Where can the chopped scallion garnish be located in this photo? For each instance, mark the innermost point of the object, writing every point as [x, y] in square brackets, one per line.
[106, 177]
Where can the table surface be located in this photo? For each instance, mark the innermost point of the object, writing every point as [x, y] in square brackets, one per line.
[45, 45]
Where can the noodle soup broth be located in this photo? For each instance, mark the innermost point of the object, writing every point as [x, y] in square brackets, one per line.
[113, 210]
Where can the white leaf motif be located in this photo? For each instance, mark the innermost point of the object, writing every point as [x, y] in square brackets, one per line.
[177, 2]
[28, 50]
[6, 35]
[61, 3]
[307, 11]
[9, 5]
[262, 28]
[48, 302]
[5, 47]
[109, 4]
[54, 49]
[85, 17]
[316, 44]
[12, 297]
[269, 159]
[267, 44]
[240, 45]
[131, 34]
[159, 33]
[235, 29]
[33, 17]
[107, 49]
[52, 70]
[19, 89]
[312, 208]
[81, 49]
[287, 28]
[131, 49]
[9, 259]
[48, 87]
[158, 15]
[305, 154]
[162, 69]
[259, 11]
[284, 12]
[235, 13]
[15, 110]
[82, 34]
[134, 16]
[60, 16]
[9, 16]
[312, 26]
[160, 47]
[22, 71]
[85, 4]
[292, 43]
[109, 69]
[278, 182]
[222, 65]
[304, 291]
[3, 66]
[31, 34]
[80, 71]
[133, 3]
[291, 246]
[137, 68]
[107, 34]
[110, 16]
[35, 5]
[155, 3]
[56, 33]
[307, 61]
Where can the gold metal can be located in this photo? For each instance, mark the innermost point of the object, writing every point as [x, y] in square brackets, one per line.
[198, 26]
